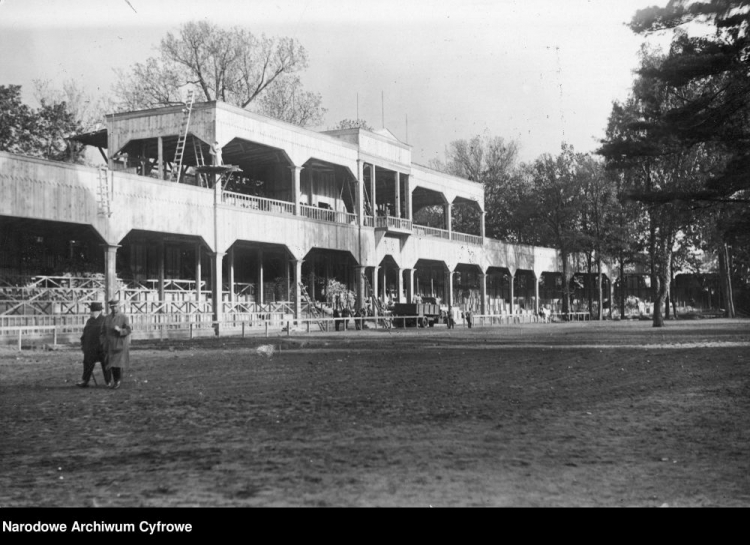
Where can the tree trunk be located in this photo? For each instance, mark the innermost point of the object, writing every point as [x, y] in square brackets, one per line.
[662, 275]
[725, 274]
[587, 283]
[565, 286]
[672, 299]
[622, 286]
[659, 297]
[599, 287]
[668, 298]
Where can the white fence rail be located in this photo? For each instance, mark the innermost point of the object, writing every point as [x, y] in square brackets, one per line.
[424, 231]
[324, 214]
[259, 204]
[394, 222]
[163, 326]
[468, 239]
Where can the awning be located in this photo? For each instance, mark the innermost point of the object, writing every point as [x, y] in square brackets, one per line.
[94, 138]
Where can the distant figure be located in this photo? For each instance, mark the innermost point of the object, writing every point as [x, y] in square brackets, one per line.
[91, 344]
[451, 321]
[216, 152]
[115, 337]
[336, 316]
[544, 314]
[345, 313]
[468, 318]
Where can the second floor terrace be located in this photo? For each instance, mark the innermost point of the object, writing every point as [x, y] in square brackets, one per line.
[113, 203]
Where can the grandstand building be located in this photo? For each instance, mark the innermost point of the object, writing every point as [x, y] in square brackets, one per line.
[208, 214]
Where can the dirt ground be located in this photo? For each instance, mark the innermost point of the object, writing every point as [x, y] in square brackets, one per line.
[576, 414]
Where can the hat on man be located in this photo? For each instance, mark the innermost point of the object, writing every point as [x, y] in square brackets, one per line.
[113, 302]
[95, 306]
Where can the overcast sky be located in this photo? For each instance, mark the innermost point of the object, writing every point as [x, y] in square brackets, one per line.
[536, 71]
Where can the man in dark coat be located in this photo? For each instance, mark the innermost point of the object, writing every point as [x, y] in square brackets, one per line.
[115, 336]
[92, 347]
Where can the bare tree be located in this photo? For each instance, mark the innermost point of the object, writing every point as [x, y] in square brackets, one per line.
[86, 108]
[285, 99]
[230, 65]
[353, 124]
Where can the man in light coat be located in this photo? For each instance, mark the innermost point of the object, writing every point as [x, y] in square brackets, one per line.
[115, 337]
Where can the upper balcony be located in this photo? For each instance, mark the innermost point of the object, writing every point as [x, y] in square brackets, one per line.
[390, 224]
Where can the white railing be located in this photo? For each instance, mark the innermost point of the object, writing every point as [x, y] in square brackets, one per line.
[252, 308]
[468, 239]
[424, 231]
[259, 204]
[174, 285]
[393, 222]
[69, 328]
[369, 221]
[331, 216]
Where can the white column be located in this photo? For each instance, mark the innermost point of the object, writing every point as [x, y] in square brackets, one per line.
[449, 286]
[287, 279]
[259, 296]
[384, 269]
[216, 288]
[360, 191]
[407, 197]
[359, 272]
[375, 282]
[160, 153]
[161, 276]
[297, 288]
[296, 194]
[483, 291]
[231, 275]
[110, 271]
[400, 287]
[198, 273]
[398, 195]
[374, 188]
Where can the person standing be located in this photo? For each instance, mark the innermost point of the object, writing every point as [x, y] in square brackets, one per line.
[115, 336]
[468, 318]
[91, 344]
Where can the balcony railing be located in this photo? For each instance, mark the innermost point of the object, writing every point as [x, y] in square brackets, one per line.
[331, 216]
[257, 203]
[424, 231]
[369, 221]
[468, 239]
[393, 222]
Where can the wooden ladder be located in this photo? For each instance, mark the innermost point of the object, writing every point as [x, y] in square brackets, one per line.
[182, 138]
[199, 160]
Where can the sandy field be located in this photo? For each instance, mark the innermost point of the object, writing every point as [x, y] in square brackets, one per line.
[563, 414]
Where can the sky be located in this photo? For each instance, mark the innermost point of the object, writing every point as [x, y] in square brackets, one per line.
[538, 72]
